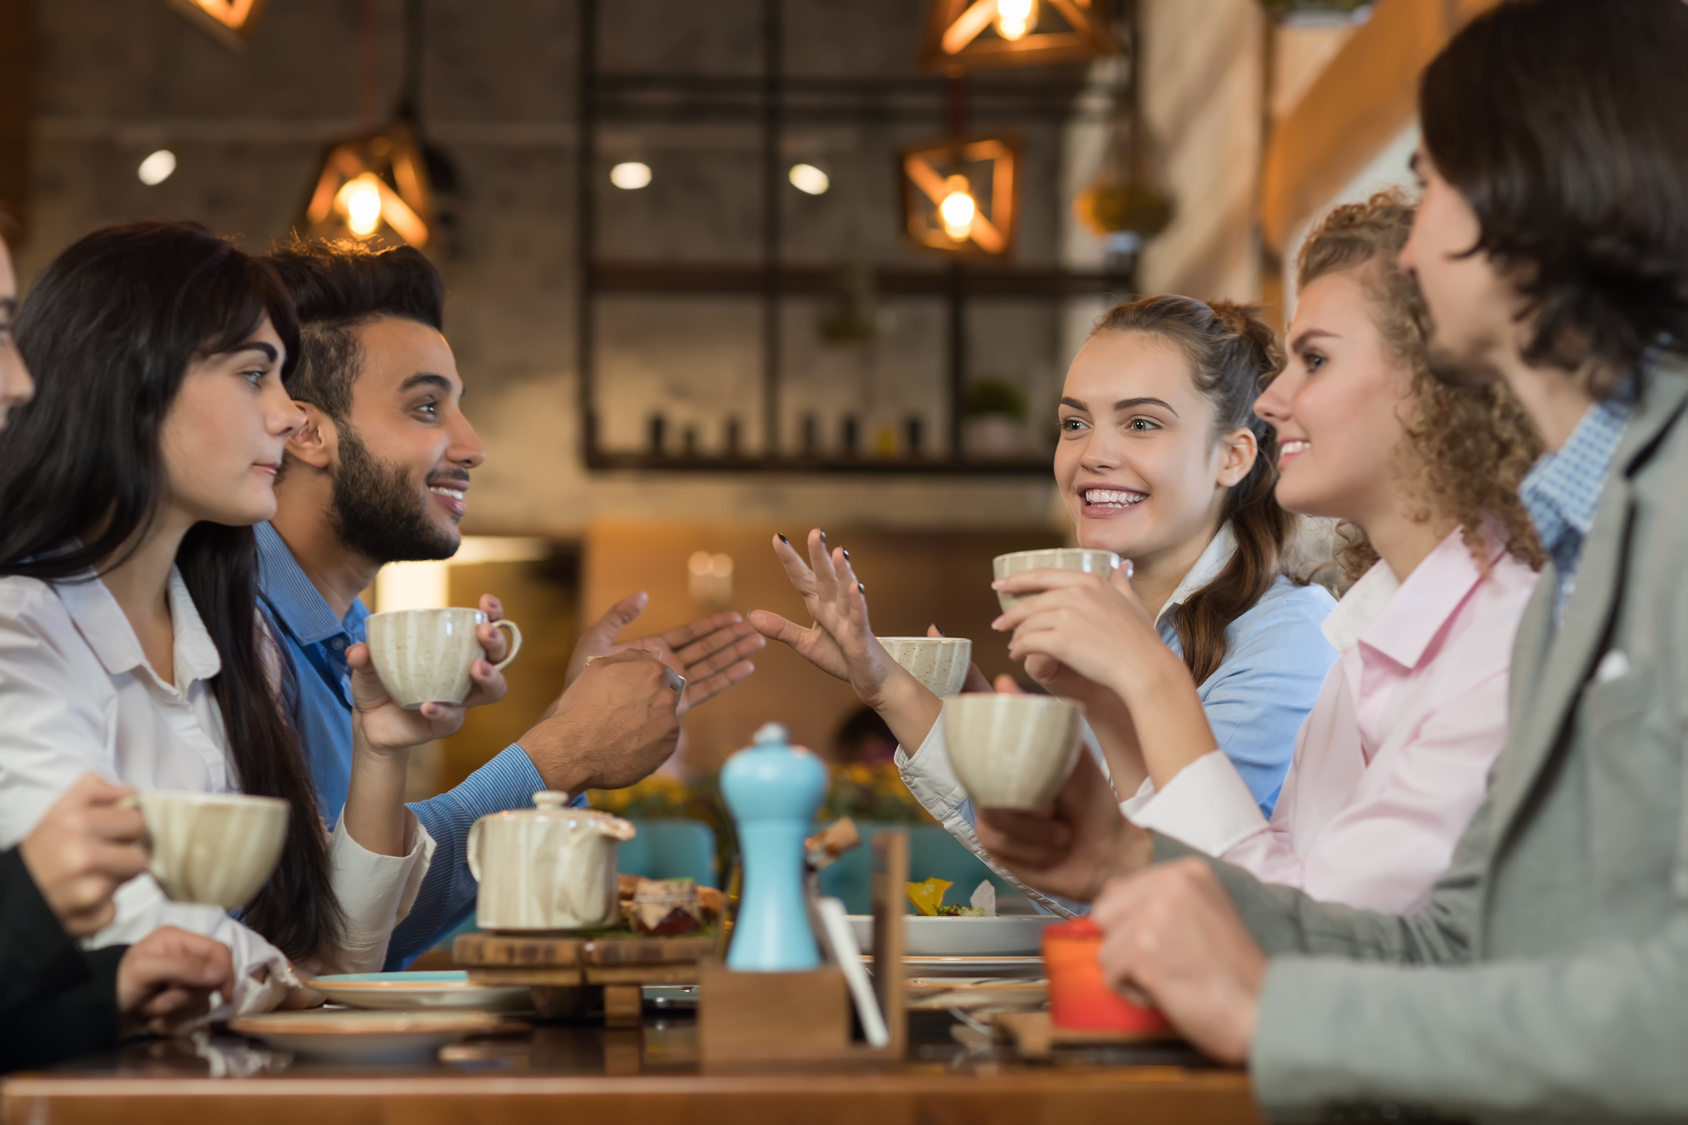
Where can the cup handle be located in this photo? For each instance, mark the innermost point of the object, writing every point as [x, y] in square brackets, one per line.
[515, 634]
[473, 852]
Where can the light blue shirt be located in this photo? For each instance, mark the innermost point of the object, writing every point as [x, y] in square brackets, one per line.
[319, 703]
[1562, 489]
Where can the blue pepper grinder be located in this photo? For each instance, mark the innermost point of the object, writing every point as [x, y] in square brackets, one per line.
[773, 791]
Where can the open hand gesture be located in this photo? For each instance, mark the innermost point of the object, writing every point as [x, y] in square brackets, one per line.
[841, 641]
[711, 653]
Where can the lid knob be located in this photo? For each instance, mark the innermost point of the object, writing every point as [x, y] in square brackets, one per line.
[550, 800]
[769, 734]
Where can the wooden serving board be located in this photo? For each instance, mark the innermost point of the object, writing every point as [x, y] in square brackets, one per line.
[557, 966]
[1035, 1035]
[511, 951]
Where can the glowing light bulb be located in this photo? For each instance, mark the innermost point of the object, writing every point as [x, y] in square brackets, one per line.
[807, 178]
[631, 175]
[157, 168]
[360, 201]
[1015, 17]
[958, 209]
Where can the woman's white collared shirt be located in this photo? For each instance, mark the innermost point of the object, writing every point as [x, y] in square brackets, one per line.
[77, 694]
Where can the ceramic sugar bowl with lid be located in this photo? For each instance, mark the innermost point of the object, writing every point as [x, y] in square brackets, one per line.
[550, 867]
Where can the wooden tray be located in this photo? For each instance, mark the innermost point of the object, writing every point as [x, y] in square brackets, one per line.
[1035, 1035]
[558, 967]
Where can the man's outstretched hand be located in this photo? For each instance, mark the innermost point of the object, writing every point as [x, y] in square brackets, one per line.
[614, 725]
[712, 654]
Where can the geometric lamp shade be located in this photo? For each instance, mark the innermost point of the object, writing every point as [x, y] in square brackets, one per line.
[230, 22]
[373, 185]
[962, 195]
[963, 35]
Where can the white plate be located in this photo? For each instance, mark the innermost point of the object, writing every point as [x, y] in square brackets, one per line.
[367, 1037]
[925, 936]
[405, 992]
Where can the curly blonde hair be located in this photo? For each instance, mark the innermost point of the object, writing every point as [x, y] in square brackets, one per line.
[1468, 447]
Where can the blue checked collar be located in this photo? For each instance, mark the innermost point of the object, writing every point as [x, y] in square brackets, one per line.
[1562, 489]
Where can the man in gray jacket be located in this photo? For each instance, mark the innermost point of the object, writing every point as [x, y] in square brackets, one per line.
[1547, 976]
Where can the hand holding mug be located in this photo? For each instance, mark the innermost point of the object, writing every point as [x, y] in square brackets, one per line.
[422, 669]
[86, 847]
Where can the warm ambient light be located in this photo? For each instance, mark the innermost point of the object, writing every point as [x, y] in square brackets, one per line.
[809, 179]
[958, 209]
[360, 201]
[371, 182]
[1015, 17]
[630, 175]
[155, 169]
[230, 21]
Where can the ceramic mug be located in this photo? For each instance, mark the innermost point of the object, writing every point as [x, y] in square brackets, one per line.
[214, 848]
[423, 655]
[550, 867]
[938, 662]
[1011, 751]
[1087, 559]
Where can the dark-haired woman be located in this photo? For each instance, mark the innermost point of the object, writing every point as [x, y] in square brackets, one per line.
[1161, 460]
[129, 640]
[1394, 759]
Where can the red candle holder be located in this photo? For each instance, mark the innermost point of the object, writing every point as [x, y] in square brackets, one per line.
[1079, 996]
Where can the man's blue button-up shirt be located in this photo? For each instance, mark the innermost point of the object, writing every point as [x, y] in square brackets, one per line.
[320, 705]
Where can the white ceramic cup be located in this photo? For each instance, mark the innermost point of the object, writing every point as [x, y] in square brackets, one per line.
[423, 655]
[1011, 751]
[215, 848]
[938, 662]
[550, 867]
[1087, 559]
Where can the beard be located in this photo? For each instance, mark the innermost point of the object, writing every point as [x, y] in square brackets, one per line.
[380, 513]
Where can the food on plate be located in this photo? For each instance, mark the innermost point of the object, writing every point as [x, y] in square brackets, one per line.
[667, 907]
[928, 898]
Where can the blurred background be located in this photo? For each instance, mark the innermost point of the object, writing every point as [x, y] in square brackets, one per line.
[724, 269]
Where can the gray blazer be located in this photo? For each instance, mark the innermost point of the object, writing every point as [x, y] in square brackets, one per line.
[1546, 978]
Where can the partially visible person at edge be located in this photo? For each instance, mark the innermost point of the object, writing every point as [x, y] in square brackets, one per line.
[379, 472]
[130, 643]
[55, 887]
[1161, 460]
[1393, 760]
[1543, 979]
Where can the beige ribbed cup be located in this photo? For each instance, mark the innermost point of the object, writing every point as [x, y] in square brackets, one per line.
[423, 655]
[1011, 751]
[940, 663]
[215, 848]
[1087, 559]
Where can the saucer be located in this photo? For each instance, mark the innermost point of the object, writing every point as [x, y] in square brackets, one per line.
[368, 1036]
[406, 992]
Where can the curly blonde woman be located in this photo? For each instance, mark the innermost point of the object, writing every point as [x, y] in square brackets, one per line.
[1391, 762]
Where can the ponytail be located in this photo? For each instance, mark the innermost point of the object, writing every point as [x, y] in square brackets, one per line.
[1232, 355]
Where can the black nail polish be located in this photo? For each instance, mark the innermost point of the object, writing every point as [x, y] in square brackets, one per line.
[940, 629]
[862, 586]
[846, 554]
[823, 537]
[784, 540]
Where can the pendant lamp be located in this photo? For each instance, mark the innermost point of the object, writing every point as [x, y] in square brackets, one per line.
[961, 196]
[230, 22]
[964, 35]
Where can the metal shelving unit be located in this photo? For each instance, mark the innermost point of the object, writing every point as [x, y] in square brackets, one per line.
[772, 101]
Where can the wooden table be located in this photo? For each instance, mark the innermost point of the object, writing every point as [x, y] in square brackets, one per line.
[642, 1076]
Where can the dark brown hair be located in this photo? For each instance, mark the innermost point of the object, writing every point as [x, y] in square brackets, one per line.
[108, 330]
[339, 285]
[1468, 446]
[1561, 122]
[1232, 356]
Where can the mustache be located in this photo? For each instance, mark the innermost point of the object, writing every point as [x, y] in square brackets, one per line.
[449, 474]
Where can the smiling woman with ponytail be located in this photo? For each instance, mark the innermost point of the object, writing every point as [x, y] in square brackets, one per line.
[1162, 461]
